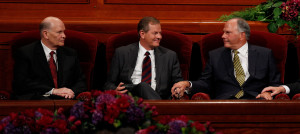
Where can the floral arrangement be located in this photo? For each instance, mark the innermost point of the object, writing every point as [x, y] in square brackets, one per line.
[275, 12]
[98, 111]
[179, 125]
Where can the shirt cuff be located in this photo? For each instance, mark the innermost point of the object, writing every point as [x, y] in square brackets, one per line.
[48, 93]
[188, 90]
[287, 89]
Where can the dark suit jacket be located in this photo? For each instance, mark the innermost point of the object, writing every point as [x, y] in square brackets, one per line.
[32, 75]
[124, 61]
[294, 88]
[218, 77]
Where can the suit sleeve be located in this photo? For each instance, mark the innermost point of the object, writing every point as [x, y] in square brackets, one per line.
[176, 71]
[294, 88]
[22, 82]
[112, 78]
[203, 82]
[80, 81]
[274, 75]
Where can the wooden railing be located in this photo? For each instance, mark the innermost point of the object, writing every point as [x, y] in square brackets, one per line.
[227, 116]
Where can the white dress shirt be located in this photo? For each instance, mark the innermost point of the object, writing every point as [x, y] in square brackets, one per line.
[243, 56]
[136, 77]
[47, 54]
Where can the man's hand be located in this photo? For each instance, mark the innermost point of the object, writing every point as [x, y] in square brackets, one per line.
[179, 88]
[274, 90]
[265, 95]
[120, 88]
[64, 92]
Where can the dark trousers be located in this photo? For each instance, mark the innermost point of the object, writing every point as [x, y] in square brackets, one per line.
[145, 91]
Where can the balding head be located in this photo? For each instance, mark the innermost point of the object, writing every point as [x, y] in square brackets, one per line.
[52, 32]
[48, 22]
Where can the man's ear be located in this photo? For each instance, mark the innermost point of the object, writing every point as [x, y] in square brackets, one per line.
[142, 34]
[243, 35]
[45, 34]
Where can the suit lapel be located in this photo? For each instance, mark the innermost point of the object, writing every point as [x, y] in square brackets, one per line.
[42, 60]
[60, 64]
[252, 55]
[133, 54]
[158, 68]
[228, 62]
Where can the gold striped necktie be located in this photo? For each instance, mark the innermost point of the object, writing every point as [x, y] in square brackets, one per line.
[239, 72]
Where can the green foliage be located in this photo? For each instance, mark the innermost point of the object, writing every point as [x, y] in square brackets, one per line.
[271, 12]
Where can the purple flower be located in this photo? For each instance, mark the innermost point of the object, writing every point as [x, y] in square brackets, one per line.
[105, 99]
[175, 126]
[5, 120]
[97, 117]
[134, 114]
[11, 129]
[38, 114]
[50, 131]
[78, 110]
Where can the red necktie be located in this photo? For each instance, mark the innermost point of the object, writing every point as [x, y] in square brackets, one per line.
[53, 69]
[146, 71]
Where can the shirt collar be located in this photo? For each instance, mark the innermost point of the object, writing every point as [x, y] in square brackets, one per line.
[46, 49]
[142, 50]
[243, 50]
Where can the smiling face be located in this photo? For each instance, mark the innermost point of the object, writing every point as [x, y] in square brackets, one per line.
[232, 38]
[54, 36]
[151, 39]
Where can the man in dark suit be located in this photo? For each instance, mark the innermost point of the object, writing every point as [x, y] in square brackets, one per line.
[46, 69]
[236, 71]
[149, 76]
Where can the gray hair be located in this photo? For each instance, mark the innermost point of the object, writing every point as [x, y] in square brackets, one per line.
[243, 26]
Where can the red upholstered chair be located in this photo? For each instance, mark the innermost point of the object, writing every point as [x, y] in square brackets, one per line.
[85, 45]
[275, 42]
[179, 43]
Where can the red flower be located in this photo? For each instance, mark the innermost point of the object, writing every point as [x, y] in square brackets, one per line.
[84, 96]
[13, 116]
[60, 110]
[123, 104]
[95, 93]
[182, 118]
[77, 123]
[165, 120]
[140, 101]
[60, 124]
[111, 113]
[19, 120]
[45, 112]
[29, 113]
[198, 126]
[112, 92]
[45, 121]
[71, 118]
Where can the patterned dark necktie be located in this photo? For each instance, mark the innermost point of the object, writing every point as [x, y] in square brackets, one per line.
[239, 72]
[146, 71]
[53, 69]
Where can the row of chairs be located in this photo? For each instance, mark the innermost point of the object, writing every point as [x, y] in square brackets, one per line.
[86, 46]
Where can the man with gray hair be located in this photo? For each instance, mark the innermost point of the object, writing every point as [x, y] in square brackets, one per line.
[236, 71]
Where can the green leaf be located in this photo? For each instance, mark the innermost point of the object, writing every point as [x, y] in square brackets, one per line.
[268, 5]
[272, 28]
[280, 22]
[117, 123]
[261, 18]
[278, 4]
[277, 12]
